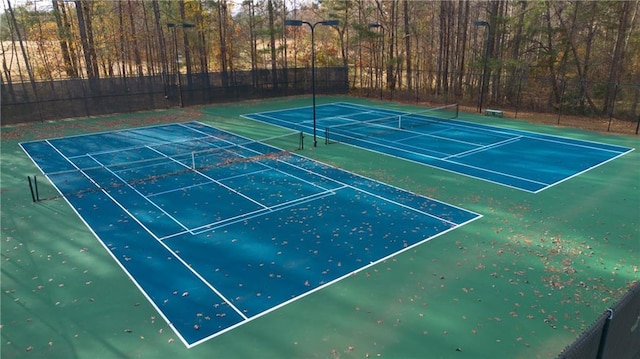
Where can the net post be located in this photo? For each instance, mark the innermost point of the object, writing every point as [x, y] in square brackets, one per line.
[33, 196]
[301, 143]
[457, 111]
[193, 160]
[326, 135]
[35, 184]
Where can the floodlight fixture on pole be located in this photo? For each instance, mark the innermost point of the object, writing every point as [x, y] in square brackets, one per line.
[484, 62]
[173, 27]
[290, 22]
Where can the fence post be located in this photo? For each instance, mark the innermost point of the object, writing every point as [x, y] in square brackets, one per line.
[613, 105]
[519, 92]
[33, 196]
[603, 337]
[562, 89]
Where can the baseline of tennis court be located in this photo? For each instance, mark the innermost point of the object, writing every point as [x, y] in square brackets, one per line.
[524, 160]
[217, 230]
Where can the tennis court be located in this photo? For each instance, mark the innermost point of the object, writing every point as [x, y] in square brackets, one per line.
[216, 229]
[524, 160]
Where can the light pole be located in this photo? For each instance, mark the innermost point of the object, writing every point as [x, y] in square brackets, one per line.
[313, 61]
[375, 26]
[484, 65]
[173, 27]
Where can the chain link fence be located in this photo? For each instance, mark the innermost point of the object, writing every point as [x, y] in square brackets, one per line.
[51, 100]
[567, 102]
[549, 100]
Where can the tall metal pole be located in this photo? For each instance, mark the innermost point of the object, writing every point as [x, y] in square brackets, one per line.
[313, 63]
[376, 25]
[178, 82]
[313, 79]
[484, 65]
[173, 27]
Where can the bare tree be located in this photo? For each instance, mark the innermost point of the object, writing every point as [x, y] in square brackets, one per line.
[272, 43]
[407, 42]
[626, 13]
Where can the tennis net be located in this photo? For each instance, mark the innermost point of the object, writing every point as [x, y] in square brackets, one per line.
[428, 117]
[360, 129]
[90, 175]
[383, 126]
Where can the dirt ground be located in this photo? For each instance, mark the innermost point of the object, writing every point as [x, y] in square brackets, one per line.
[587, 123]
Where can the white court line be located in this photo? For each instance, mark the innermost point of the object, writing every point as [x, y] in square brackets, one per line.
[386, 199]
[481, 128]
[430, 134]
[247, 319]
[214, 180]
[205, 183]
[484, 148]
[369, 179]
[376, 109]
[419, 148]
[258, 213]
[445, 169]
[336, 280]
[278, 170]
[585, 170]
[373, 194]
[139, 193]
[117, 260]
[105, 132]
[281, 120]
[253, 214]
[194, 231]
[161, 143]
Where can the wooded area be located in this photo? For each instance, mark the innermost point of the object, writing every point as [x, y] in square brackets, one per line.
[581, 56]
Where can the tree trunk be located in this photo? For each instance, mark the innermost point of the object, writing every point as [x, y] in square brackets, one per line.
[92, 45]
[551, 56]
[160, 50]
[492, 38]
[82, 29]
[391, 79]
[407, 44]
[461, 49]
[253, 42]
[185, 42]
[134, 41]
[123, 44]
[6, 72]
[151, 58]
[63, 37]
[272, 40]
[514, 69]
[222, 24]
[618, 54]
[25, 57]
[581, 68]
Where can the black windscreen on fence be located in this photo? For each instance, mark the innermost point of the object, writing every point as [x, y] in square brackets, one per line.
[41, 101]
[614, 335]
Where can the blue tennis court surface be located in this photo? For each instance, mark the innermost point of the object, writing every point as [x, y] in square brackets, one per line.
[524, 160]
[217, 230]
